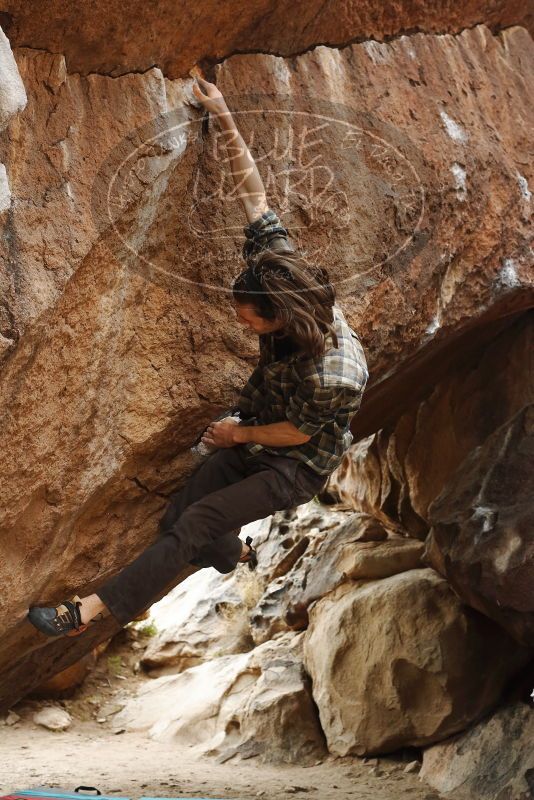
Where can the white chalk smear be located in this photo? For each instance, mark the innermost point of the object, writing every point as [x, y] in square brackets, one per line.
[434, 325]
[510, 546]
[405, 40]
[455, 131]
[523, 185]
[377, 52]
[508, 273]
[487, 514]
[5, 191]
[460, 175]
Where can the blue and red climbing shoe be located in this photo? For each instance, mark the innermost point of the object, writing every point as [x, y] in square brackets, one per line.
[62, 620]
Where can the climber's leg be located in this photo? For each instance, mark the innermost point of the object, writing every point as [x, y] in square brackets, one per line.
[225, 467]
[200, 525]
[222, 468]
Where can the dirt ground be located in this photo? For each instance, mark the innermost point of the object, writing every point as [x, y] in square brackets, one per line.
[89, 753]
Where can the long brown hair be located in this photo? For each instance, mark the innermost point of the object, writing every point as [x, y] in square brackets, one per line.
[284, 286]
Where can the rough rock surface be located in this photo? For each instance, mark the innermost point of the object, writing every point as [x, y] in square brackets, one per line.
[404, 663]
[204, 618]
[114, 320]
[250, 704]
[328, 561]
[12, 94]
[493, 759]
[459, 465]
[483, 527]
[68, 680]
[12, 100]
[176, 38]
[302, 555]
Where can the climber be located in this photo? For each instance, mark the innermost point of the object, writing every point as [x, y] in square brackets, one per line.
[295, 413]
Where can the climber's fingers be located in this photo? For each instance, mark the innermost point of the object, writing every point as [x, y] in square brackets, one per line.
[211, 98]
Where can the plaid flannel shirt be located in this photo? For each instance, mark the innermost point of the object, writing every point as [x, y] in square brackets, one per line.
[266, 231]
[318, 395]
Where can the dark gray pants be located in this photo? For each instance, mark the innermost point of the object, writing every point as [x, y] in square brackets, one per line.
[202, 522]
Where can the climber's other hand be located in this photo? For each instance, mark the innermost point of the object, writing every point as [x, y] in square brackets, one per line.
[220, 434]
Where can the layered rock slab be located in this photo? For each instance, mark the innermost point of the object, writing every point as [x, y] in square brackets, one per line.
[458, 466]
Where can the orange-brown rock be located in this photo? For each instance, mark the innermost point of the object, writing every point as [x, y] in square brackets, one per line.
[101, 37]
[64, 683]
[121, 240]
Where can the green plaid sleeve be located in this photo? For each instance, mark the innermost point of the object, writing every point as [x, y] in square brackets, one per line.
[312, 406]
[265, 232]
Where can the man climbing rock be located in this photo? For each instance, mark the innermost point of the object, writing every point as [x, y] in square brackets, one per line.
[296, 410]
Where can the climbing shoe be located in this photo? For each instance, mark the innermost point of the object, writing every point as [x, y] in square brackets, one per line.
[250, 558]
[62, 620]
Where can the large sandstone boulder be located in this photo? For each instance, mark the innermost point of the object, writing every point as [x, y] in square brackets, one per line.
[211, 615]
[403, 663]
[459, 465]
[249, 704]
[121, 242]
[492, 760]
[303, 554]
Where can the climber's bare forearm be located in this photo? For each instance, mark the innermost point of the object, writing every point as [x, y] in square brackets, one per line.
[247, 179]
[277, 434]
[248, 183]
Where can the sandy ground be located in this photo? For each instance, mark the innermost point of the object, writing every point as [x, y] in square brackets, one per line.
[131, 765]
[89, 753]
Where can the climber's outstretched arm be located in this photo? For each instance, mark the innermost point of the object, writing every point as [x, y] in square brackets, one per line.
[247, 179]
